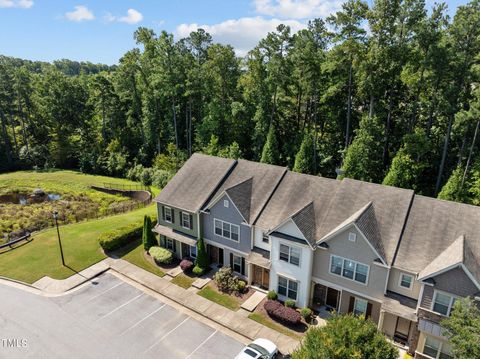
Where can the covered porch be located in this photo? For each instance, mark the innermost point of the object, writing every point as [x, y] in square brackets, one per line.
[259, 268]
[182, 245]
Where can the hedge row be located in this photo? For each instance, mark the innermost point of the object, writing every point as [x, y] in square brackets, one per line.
[120, 237]
[278, 311]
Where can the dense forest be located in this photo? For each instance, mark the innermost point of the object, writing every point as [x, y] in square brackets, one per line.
[388, 94]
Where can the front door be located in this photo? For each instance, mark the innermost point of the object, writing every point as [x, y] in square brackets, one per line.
[402, 329]
[261, 276]
[332, 298]
[213, 251]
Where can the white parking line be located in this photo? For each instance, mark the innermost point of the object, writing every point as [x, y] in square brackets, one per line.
[201, 344]
[141, 320]
[166, 335]
[105, 291]
[121, 306]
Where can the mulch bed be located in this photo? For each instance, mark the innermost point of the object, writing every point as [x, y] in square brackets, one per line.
[239, 297]
[300, 328]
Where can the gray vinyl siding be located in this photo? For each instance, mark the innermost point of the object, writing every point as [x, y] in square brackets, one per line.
[177, 217]
[455, 281]
[230, 215]
[358, 251]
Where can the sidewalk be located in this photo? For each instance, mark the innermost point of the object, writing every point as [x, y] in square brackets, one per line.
[232, 320]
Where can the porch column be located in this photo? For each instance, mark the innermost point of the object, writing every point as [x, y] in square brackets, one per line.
[250, 273]
[380, 320]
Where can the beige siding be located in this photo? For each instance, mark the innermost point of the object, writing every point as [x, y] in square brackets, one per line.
[358, 251]
[389, 324]
[394, 280]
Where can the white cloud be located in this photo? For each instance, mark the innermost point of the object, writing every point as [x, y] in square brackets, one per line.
[297, 9]
[23, 4]
[81, 13]
[243, 34]
[133, 17]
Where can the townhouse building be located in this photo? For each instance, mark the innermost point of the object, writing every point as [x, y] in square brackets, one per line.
[348, 246]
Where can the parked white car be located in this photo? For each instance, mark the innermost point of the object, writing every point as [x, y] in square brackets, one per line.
[258, 349]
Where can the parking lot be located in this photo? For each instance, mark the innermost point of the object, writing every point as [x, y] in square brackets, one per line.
[108, 318]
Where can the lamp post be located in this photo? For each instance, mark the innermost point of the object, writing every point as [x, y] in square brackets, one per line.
[55, 217]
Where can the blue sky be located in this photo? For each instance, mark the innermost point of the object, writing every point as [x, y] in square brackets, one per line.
[102, 30]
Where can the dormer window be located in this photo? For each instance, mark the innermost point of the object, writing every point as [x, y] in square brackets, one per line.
[225, 203]
[406, 281]
[352, 237]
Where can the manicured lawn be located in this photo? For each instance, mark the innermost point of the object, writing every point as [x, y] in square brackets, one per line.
[219, 298]
[136, 255]
[41, 257]
[183, 281]
[263, 319]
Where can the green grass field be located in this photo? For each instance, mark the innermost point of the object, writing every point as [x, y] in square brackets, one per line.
[78, 201]
[183, 281]
[134, 254]
[219, 298]
[41, 257]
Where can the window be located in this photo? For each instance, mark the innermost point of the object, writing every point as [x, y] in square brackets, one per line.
[265, 238]
[290, 254]
[442, 303]
[349, 269]
[287, 287]
[352, 237]
[193, 251]
[167, 213]
[227, 230]
[360, 307]
[225, 203]
[186, 220]
[169, 244]
[237, 264]
[437, 349]
[336, 266]
[406, 281]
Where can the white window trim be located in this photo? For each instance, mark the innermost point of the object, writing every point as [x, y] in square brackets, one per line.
[165, 214]
[360, 300]
[288, 286]
[226, 204]
[354, 272]
[188, 216]
[450, 305]
[231, 224]
[193, 256]
[233, 263]
[166, 244]
[400, 280]
[352, 237]
[290, 254]
[440, 347]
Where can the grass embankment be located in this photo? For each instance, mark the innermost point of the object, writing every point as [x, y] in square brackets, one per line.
[40, 257]
[135, 254]
[219, 298]
[78, 201]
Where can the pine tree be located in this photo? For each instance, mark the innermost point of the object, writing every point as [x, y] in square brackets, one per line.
[363, 160]
[270, 149]
[304, 160]
[148, 237]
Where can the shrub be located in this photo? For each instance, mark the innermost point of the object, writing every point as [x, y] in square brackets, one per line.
[241, 285]
[148, 237]
[306, 313]
[225, 280]
[161, 255]
[272, 295]
[146, 176]
[202, 256]
[284, 314]
[134, 173]
[197, 271]
[160, 178]
[290, 303]
[120, 237]
[186, 265]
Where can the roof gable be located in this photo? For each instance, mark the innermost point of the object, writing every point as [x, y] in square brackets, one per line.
[241, 196]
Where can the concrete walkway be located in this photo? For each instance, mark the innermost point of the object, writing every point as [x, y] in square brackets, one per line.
[58, 286]
[251, 303]
[233, 320]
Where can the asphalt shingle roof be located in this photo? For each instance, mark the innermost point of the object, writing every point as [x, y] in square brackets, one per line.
[193, 184]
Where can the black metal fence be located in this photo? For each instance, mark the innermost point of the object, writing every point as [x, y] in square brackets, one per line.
[127, 187]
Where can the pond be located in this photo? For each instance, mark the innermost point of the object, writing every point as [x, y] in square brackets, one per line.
[25, 198]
